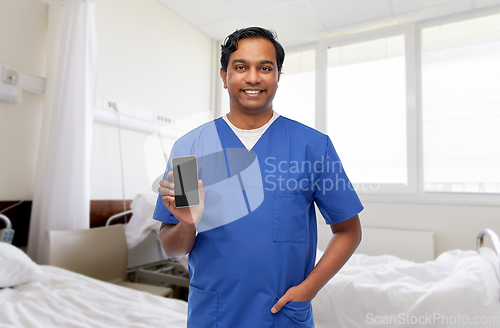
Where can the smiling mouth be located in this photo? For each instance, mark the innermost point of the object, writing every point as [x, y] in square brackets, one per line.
[252, 91]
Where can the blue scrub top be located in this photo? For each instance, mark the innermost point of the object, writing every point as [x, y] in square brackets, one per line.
[258, 235]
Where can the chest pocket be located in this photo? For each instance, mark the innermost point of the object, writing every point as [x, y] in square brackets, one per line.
[290, 218]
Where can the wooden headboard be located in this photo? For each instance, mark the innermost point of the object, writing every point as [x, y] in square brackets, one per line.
[102, 210]
[19, 216]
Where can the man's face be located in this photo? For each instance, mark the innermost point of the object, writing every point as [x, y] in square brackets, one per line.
[252, 76]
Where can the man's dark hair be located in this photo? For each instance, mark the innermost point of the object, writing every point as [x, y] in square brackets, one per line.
[230, 44]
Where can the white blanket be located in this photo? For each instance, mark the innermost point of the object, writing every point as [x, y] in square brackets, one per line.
[142, 222]
[66, 299]
[459, 288]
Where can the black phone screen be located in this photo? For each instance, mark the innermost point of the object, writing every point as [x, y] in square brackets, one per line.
[185, 171]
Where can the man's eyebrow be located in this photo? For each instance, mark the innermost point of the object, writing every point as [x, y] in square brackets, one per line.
[262, 62]
[239, 61]
[266, 62]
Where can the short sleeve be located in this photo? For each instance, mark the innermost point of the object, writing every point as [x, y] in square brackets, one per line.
[334, 194]
[161, 213]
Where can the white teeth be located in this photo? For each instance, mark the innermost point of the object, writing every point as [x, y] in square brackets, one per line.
[252, 91]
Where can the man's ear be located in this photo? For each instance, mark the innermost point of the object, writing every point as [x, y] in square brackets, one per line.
[223, 75]
[279, 75]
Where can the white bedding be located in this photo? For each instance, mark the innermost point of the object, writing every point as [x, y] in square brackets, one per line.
[67, 299]
[141, 223]
[384, 291]
[457, 289]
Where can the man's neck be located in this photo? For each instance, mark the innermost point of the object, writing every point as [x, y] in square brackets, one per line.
[249, 122]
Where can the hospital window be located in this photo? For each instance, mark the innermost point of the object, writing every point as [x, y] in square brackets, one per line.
[366, 110]
[295, 97]
[460, 65]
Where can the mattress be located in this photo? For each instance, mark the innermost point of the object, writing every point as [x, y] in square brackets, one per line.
[67, 299]
[459, 288]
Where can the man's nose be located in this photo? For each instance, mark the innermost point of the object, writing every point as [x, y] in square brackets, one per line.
[253, 76]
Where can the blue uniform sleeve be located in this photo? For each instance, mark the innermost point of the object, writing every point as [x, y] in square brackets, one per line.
[334, 194]
[161, 213]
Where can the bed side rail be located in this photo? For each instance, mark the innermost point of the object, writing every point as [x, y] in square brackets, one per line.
[8, 225]
[117, 216]
[6, 234]
[494, 239]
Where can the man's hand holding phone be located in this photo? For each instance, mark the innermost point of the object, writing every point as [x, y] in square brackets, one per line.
[189, 215]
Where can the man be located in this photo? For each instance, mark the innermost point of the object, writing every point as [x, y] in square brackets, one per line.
[258, 269]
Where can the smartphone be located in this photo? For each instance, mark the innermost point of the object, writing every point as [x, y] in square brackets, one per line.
[186, 190]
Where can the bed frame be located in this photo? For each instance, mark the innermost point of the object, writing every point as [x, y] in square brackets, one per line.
[495, 240]
[417, 246]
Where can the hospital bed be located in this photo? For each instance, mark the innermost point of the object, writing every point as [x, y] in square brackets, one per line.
[458, 288]
[100, 253]
[34, 295]
[147, 263]
[42, 296]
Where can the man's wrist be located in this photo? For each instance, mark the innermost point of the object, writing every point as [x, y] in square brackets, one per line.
[189, 227]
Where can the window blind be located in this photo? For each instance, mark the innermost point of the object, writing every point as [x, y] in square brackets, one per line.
[366, 110]
[461, 106]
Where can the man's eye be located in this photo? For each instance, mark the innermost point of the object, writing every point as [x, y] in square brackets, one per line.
[239, 67]
[266, 68]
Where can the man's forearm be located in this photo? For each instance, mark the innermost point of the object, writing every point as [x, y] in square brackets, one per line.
[177, 240]
[339, 250]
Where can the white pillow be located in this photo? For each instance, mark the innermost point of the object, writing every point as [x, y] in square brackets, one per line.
[16, 267]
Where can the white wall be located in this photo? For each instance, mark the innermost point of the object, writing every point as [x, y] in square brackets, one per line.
[23, 25]
[455, 226]
[148, 58]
